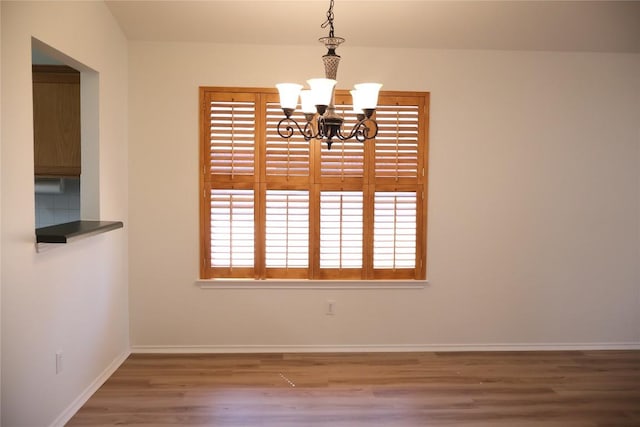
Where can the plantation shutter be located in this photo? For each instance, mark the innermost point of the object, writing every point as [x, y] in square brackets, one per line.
[275, 207]
[397, 142]
[399, 201]
[286, 187]
[285, 158]
[394, 241]
[228, 181]
[287, 233]
[341, 233]
[345, 161]
[232, 228]
[232, 136]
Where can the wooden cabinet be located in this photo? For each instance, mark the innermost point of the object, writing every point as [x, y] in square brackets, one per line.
[56, 120]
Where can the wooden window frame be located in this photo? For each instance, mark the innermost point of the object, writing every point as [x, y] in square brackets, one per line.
[314, 182]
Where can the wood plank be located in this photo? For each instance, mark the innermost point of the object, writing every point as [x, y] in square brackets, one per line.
[555, 388]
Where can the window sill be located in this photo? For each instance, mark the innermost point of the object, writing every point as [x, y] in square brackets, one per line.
[309, 284]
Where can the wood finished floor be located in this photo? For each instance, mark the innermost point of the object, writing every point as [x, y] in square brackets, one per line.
[564, 389]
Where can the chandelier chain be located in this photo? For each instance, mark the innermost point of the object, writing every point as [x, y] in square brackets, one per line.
[329, 21]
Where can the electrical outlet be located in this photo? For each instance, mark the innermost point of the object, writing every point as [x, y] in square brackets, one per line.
[58, 362]
[331, 308]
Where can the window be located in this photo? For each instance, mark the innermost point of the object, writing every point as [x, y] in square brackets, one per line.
[291, 209]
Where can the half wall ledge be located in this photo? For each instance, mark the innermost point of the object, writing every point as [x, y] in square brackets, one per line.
[75, 230]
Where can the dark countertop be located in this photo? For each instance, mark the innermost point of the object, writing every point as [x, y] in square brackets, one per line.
[64, 233]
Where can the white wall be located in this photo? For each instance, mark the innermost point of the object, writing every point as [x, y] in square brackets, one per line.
[72, 298]
[534, 205]
[0, 217]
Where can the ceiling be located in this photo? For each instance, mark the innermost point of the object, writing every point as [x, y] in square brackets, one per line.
[599, 26]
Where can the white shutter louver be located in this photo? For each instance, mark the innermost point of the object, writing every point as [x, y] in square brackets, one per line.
[341, 229]
[287, 229]
[394, 230]
[232, 228]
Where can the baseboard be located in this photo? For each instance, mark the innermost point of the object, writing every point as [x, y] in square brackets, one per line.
[66, 415]
[183, 349]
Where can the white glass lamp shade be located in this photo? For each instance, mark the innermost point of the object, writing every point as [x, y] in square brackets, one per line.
[367, 94]
[321, 90]
[356, 97]
[289, 94]
[306, 99]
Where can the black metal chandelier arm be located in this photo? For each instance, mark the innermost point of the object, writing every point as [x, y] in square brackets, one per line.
[371, 124]
[361, 131]
[288, 131]
[308, 132]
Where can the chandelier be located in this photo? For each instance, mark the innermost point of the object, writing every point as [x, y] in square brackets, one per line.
[317, 103]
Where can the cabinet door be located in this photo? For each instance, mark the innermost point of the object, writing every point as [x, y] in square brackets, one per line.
[56, 120]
